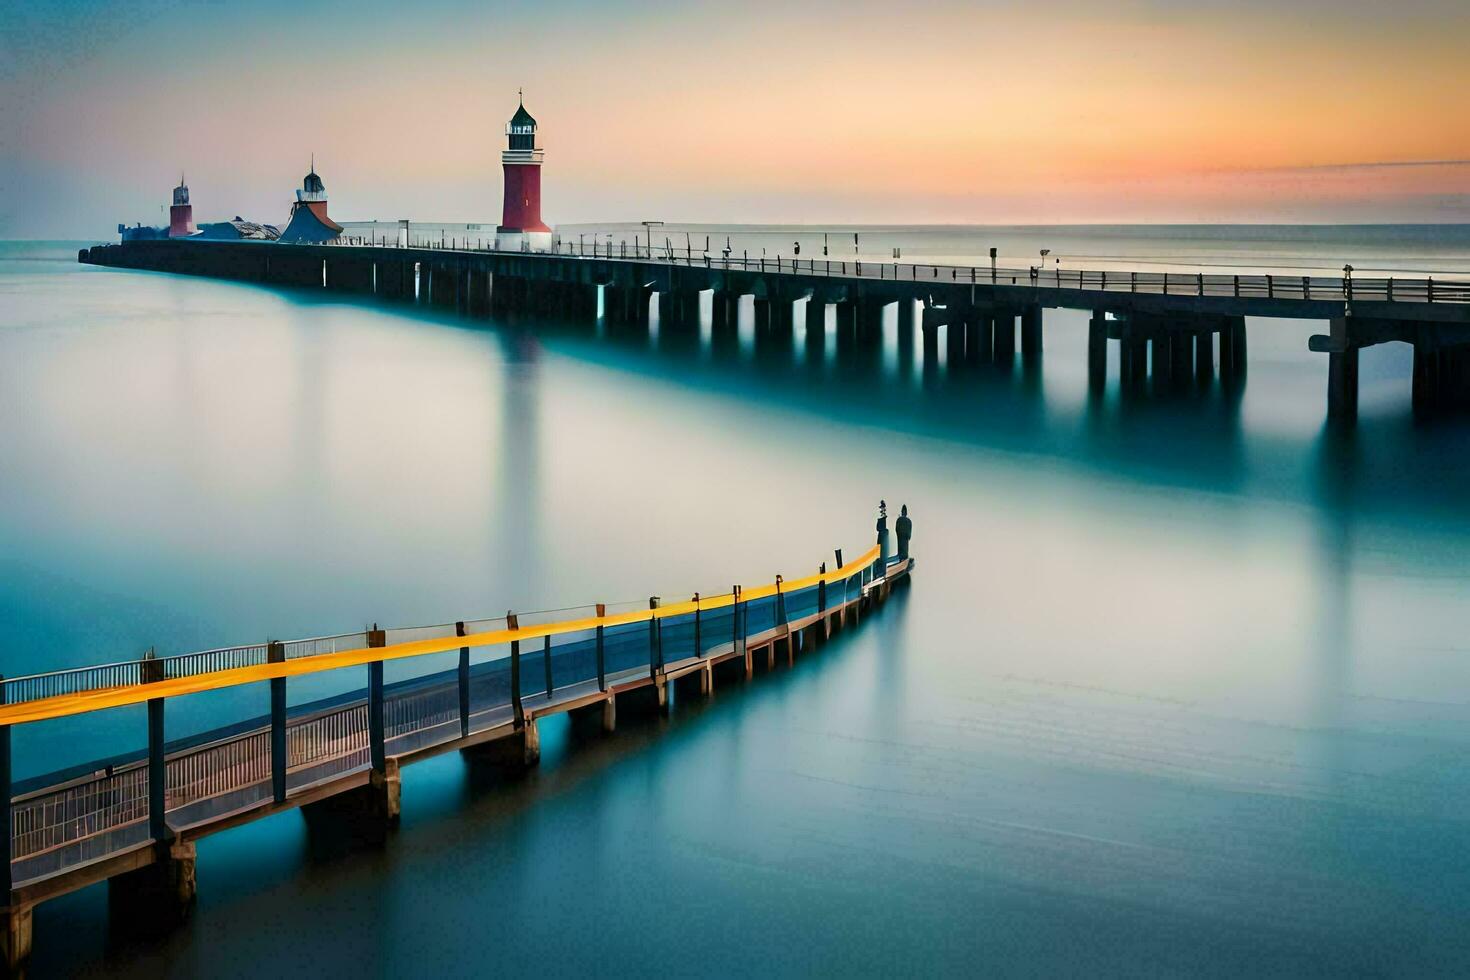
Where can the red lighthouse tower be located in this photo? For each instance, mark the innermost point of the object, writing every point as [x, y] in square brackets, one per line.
[181, 212]
[520, 223]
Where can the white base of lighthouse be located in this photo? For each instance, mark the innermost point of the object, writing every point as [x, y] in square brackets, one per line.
[523, 241]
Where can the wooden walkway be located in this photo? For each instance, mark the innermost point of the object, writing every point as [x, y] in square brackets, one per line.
[135, 821]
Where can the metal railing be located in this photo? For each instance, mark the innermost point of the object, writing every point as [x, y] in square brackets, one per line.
[84, 817]
[1260, 286]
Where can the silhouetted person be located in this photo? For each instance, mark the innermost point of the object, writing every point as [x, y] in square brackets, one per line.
[905, 528]
[882, 534]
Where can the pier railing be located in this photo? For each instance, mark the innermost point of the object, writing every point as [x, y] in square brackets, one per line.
[71, 818]
[1257, 285]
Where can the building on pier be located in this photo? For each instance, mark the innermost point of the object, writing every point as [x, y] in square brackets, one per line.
[309, 220]
[181, 225]
[181, 212]
[520, 224]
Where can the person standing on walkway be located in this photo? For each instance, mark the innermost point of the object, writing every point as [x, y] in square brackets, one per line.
[882, 534]
[905, 528]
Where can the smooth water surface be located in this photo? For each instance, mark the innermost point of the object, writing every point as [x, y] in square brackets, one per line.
[1181, 684]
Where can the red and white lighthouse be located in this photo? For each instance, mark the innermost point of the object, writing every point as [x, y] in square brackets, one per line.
[520, 223]
[181, 212]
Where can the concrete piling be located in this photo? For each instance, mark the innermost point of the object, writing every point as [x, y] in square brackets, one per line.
[1004, 343]
[1204, 357]
[1031, 331]
[1097, 351]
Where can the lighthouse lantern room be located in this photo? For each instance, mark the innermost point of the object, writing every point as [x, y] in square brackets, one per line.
[520, 224]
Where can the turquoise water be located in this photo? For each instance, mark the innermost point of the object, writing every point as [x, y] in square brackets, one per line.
[1181, 685]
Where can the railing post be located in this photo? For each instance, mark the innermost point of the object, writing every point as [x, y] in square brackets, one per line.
[546, 658]
[5, 819]
[655, 646]
[376, 739]
[601, 664]
[698, 648]
[464, 684]
[735, 619]
[515, 671]
[275, 653]
[152, 672]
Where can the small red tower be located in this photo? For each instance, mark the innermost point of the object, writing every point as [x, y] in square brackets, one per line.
[520, 221]
[181, 213]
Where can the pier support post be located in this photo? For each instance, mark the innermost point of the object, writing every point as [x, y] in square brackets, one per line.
[16, 938]
[1137, 348]
[774, 318]
[677, 308]
[362, 815]
[1031, 331]
[816, 318]
[973, 352]
[930, 330]
[1162, 358]
[1181, 358]
[870, 321]
[1233, 336]
[1342, 385]
[479, 293]
[462, 683]
[514, 752]
[377, 750]
[906, 321]
[158, 895]
[847, 314]
[276, 654]
[1204, 357]
[724, 306]
[1097, 351]
[954, 339]
[1426, 380]
[1005, 338]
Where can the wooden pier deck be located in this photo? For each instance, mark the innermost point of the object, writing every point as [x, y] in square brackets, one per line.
[134, 820]
[1176, 329]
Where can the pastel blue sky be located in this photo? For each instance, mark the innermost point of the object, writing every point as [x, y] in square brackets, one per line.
[820, 111]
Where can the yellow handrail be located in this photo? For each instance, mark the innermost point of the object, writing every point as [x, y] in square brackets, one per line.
[65, 705]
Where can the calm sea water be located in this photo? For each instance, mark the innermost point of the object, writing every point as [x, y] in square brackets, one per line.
[1182, 684]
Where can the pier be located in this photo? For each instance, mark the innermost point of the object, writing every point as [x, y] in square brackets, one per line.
[134, 820]
[1170, 329]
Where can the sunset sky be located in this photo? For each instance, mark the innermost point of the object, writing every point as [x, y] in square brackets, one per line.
[841, 112]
